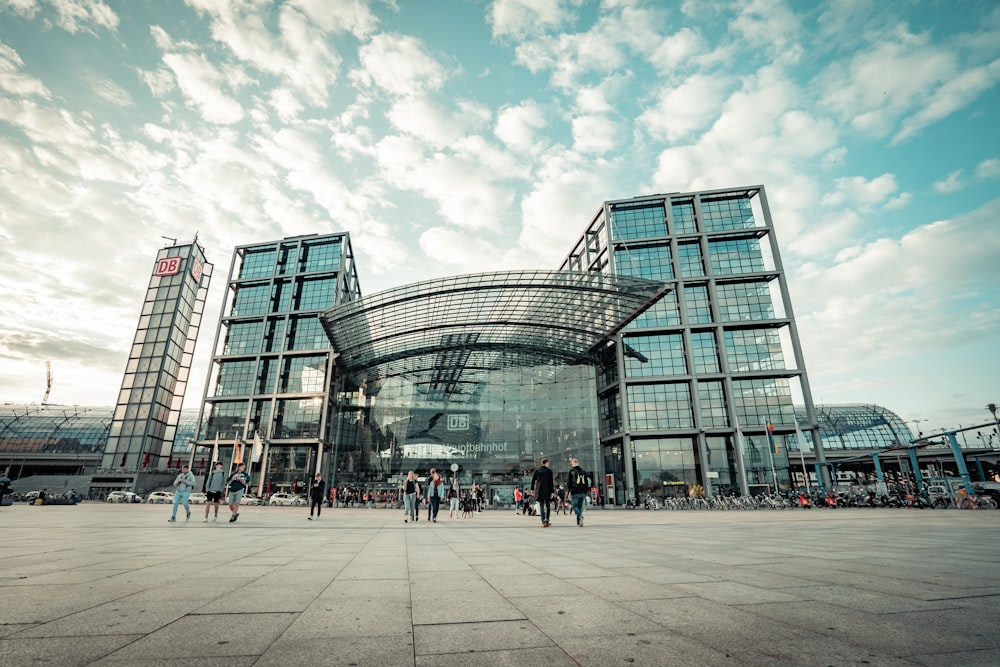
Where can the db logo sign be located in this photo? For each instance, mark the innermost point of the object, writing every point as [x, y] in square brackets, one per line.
[458, 422]
[168, 266]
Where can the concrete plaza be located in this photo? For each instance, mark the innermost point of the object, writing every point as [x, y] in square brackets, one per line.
[100, 584]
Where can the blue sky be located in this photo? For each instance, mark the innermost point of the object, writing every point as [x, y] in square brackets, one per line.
[467, 135]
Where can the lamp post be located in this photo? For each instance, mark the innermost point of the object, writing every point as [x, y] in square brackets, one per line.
[992, 407]
[916, 425]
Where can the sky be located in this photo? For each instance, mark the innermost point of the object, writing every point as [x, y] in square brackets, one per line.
[458, 136]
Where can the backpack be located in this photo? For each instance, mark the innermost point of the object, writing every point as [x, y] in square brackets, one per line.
[578, 482]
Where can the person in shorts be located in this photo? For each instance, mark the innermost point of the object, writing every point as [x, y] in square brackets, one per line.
[238, 483]
[214, 485]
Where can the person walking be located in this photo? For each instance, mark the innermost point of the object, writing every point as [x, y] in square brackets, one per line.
[454, 493]
[238, 483]
[518, 497]
[183, 485]
[578, 486]
[214, 485]
[435, 492]
[543, 486]
[316, 493]
[411, 494]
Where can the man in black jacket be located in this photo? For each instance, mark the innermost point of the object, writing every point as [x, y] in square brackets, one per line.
[578, 485]
[543, 485]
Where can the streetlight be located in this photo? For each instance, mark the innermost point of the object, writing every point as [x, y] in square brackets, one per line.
[916, 425]
[992, 407]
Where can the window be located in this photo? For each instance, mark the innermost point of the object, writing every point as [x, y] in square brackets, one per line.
[712, 401]
[257, 263]
[250, 300]
[638, 221]
[648, 261]
[683, 213]
[735, 256]
[727, 213]
[647, 356]
[320, 255]
[305, 332]
[745, 301]
[689, 256]
[303, 374]
[659, 406]
[663, 313]
[761, 400]
[705, 352]
[242, 338]
[697, 305]
[315, 294]
[754, 350]
[236, 378]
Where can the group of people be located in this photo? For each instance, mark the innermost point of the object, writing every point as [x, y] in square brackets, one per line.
[544, 490]
[216, 484]
[461, 502]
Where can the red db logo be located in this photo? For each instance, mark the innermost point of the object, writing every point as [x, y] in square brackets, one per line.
[168, 266]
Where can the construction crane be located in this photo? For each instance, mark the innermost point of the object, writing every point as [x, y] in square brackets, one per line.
[48, 381]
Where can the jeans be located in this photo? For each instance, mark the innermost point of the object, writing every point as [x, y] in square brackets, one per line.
[577, 500]
[454, 505]
[181, 497]
[410, 505]
[317, 504]
[435, 503]
[544, 509]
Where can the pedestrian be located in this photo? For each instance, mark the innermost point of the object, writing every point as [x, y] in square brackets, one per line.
[4, 487]
[435, 492]
[561, 500]
[542, 484]
[238, 483]
[316, 492]
[214, 485]
[411, 494]
[453, 499]
[578, 485]
[183, 485]
[518, 497]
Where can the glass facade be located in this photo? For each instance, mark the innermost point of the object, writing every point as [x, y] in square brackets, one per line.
[272, 366]
[144, 423]
[701, 375]
[479, 376]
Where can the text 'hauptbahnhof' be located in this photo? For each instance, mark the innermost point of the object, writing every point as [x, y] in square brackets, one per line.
[663, 353]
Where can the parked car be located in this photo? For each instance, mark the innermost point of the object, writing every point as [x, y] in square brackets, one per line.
[160, 497]
[124, 497]
[198, 498]
[286, 499]
[250, 500]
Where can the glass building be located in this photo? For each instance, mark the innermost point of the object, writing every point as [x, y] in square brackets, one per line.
[144, 425]
[272, 365]
[696, 394]
[479, 376]
[70, 440]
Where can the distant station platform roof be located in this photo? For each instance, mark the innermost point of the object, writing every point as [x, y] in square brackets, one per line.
[485, 321]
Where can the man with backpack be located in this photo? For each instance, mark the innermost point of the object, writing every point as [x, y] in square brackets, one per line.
[578, 485]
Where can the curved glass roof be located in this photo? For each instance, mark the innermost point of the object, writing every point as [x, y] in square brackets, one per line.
[485, 321]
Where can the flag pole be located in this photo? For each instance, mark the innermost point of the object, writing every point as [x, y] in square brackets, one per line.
[770, 455]
[802, 458]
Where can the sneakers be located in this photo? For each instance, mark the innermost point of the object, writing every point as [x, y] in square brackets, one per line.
[406, 521]
[205, 520]
[215, 518]
[232, 518]
[188, 516]
[171, 519]
[236, 516]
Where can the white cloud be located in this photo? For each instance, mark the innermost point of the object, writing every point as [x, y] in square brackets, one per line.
[14, 82]
[868, 308]
[200, 82]
[771, 23]
[859, 191]
[684, 109]
[520, 18]
[71, 15]
[951, 183]
[956, 93]
[353, 16]
[595, 134]
[400, 65]
[676, 50]
[989, 168]
[518, 126]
